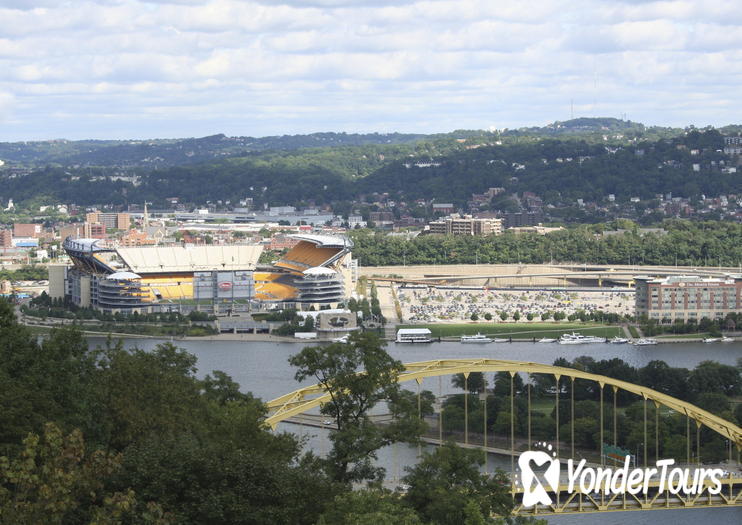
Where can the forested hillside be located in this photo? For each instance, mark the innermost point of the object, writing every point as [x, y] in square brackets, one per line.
[171, 152]
[444, 168]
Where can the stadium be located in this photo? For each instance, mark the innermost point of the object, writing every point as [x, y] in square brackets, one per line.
[317, 272]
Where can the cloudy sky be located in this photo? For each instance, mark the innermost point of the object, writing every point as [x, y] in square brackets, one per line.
[176, 68]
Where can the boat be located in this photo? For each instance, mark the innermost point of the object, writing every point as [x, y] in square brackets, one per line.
[618, 341]
[546, 340]
[579, 339]
[413, 335]
[711, 339]
[726, 339]
[475, 339]
[645, 341]
[343, 339]
[500, 340]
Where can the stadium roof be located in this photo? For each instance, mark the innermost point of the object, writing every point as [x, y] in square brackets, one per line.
[329, 241]
[164, 259]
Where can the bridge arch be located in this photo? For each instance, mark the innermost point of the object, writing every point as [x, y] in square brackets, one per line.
[306, 398]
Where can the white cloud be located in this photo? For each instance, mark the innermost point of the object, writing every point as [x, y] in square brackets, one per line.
[130, 68]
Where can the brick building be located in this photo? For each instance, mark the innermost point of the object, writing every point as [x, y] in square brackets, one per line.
[6, 238]
[26, 230]
[687, 297]
[119, 221]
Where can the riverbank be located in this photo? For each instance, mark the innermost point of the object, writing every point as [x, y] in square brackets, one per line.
[43, 330]
[525, 331]
[267, 338]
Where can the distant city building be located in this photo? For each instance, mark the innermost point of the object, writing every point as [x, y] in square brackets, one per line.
[356, 221]
[6, 238]
[26, 230]
[538, 229]
[733, 145]
[119, 221]
[479, 199]
[282, 242]
[688, 297]
[74, 231]
[381, 218]
[136, 238]
[95, 230]
[465, 225]
[444, 208]
[518, 219]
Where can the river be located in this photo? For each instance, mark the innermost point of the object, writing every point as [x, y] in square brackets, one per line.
[262, 368]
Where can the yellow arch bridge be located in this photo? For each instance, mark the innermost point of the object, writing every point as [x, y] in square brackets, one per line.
[563, 502]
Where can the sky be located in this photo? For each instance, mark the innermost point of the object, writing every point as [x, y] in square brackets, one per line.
[118, 69]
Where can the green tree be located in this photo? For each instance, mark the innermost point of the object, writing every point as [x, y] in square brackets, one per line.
[356, 438]
[142, 392]
[369, 507]
[54, 480]
[710, 376]
[447, 487]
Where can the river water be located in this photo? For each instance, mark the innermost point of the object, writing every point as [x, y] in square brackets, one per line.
[262, 368]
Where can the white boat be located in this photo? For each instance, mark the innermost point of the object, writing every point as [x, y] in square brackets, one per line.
[579, 339]
[546, 340]
[343, 339]
[414, 335]
[712, 339]
[618, 341]
[500, 340]
[475, 339]
[645, 341]
[726, 339]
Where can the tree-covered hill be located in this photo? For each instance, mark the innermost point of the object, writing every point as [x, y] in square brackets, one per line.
[173, 152]
[560, 170]
[449, 168]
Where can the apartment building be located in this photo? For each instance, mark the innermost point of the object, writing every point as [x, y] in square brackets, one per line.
[456, 224]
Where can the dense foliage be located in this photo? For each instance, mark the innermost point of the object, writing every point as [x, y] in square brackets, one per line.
[114, 435]
[685, 243]
[561, 167]
[195, 448]
[26, 273]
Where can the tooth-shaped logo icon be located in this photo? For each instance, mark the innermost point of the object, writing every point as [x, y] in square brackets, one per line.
[533, 490]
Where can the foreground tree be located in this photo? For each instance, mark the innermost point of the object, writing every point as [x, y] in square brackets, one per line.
[54, 480]
[447, 488]
[369, 507]
[357, 438]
